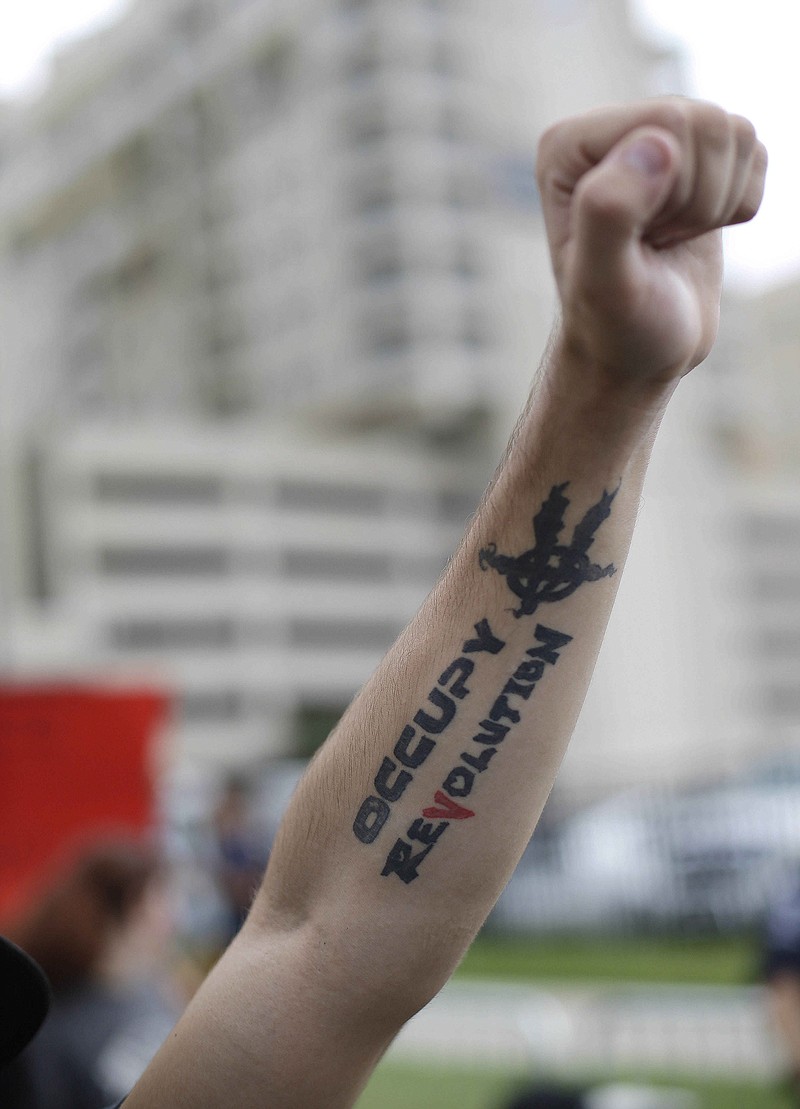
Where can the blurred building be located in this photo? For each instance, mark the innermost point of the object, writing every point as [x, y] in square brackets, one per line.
[256, 571]
[766, 447]
[273, 281]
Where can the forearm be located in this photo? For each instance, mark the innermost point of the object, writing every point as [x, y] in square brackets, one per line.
[416, 811]
[423, 708]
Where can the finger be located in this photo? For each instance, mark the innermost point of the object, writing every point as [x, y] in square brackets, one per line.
[715, 147]
[615, 203]
[748, 201]
[723, 178]
[572, 147]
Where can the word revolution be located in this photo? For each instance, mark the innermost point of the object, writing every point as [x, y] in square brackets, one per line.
[404, 857]
[550, 571]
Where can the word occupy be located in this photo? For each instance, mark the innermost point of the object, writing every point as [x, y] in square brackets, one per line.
[412, 750]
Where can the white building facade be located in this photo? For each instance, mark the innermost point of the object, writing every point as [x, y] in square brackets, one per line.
[273, 281]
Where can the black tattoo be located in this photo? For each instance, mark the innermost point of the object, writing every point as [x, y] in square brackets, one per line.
[391, 790]
[447, 710]
[415, 758]
[460, 781]
[485, 641]
[551, 571]
[372, 816]
[391, 782]
[403, 862]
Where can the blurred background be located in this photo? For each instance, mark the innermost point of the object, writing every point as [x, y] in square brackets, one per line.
[273, 284]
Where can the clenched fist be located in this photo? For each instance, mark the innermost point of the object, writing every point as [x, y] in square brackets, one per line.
[634, 198]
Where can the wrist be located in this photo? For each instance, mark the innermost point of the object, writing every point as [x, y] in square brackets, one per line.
[617, 409]
[570, 370]
[584, 419]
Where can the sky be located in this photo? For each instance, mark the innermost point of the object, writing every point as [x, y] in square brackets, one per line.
[747, 63]
[744, 56]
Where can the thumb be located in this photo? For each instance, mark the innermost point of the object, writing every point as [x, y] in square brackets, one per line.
[617, 200]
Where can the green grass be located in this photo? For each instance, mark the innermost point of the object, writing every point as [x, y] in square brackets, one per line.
[710, 961]
[406, 1087]
[706, 961]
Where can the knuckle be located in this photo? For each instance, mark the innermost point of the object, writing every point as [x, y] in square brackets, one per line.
[748, 211]
[750, 202]
[744, 130]
[714, 125]
[673, 114]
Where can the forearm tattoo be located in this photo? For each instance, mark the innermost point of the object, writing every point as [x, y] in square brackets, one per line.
[548, 572]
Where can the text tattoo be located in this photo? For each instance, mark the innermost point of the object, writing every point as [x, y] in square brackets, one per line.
[548, 572]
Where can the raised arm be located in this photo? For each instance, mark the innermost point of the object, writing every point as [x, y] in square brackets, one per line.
[414, 813]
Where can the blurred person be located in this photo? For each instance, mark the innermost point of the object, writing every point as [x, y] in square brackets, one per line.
[780, 972]
[616, 1096]
[412, 816]
[99, 932]
[25, 999]
[547, 1097]
[240, 855]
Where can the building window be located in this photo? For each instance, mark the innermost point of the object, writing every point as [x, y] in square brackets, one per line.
[389, 335]
[363, 65]
[382, 266]
[465, 263]
[158, 488]
[777, 587]
[474, 332]
[780, 642]
[354, 566]
[443, 61]
[270, 68]
[37, 548]
[372, 188]
[783, 700]
[467, 189]
[318, 496]
[212, 706]
[770, 530]
[164, 561]
[333, 635]
[456, 506]
[423, 569]
[377, 199]
[367, 127]
[159, 635]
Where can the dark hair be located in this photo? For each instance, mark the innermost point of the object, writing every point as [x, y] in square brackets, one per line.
[547, 1097]
[68, 927]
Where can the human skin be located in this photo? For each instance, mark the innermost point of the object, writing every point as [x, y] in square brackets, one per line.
[414, 813]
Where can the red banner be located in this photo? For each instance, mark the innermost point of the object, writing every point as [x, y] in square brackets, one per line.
[75, 763]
